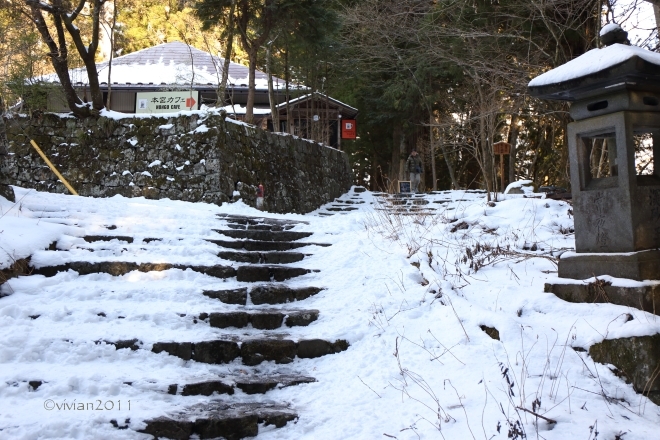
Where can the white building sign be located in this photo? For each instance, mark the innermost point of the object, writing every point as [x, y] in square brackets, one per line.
[166, 102]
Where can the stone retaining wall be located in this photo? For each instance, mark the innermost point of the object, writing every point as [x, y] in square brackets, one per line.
[198, 157]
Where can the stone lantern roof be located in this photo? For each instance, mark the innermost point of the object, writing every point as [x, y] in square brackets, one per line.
[599, 72]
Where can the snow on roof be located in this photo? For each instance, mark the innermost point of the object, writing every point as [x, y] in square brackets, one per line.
[307, 96]
[238, 109]
[594, 61]
[609, 27]
[173, 63]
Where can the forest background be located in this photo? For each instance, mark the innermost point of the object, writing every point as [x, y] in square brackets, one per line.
[447, 77]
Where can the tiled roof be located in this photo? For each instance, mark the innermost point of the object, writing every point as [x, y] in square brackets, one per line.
[174, 63]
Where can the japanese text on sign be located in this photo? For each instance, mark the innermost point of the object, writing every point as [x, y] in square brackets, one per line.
[166, 102]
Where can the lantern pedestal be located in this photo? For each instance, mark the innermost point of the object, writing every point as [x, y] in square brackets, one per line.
[638, 266]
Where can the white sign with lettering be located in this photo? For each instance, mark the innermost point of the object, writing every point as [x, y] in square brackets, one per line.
[166, 102]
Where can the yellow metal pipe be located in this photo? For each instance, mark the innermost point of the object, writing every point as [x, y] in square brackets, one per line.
[52, 167]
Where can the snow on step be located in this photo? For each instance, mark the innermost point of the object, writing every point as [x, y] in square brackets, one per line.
[117, 268]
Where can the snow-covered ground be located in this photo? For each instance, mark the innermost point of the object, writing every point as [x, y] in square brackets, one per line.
[409, 292]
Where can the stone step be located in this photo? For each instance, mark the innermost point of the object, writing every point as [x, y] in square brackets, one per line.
[255, 273]
[264, 235]
[219, 420]
[263, 294]
[262, 257]
[340, 209]
[261, 319]
[126, 238]
[247, 384]
[229, 296]
[250, 351]
[96, 238]
[348, 202]
[259, 227]
[636, 360]
[645, 296]
[118, 268]
[280, 294]
[251, 245]
[247, 220]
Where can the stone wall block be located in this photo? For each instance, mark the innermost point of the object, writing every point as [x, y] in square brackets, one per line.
[298, 175]
[141, 180]
[151, 155]
[129, 154]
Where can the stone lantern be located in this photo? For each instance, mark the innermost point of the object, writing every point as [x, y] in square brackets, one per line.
[614, 153]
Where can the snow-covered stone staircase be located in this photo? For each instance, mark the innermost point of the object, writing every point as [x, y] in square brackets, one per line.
[420, 203]
[216, 356]
[345, 204]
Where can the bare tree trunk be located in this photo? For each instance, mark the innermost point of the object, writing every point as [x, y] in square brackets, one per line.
[4, 143]
[450, 165]
[289, 120]
[513, 141]
[112, 53]
[88, 53]
[486, 156]
[6, 191]
[222, 89]
[373, 185]
[271, 93]
[249, 106]
[656, 12]
[326, 124]
[432, 148]
[395, 163]
[402, 157]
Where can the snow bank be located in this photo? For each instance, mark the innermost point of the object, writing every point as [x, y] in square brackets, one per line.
[411, 294]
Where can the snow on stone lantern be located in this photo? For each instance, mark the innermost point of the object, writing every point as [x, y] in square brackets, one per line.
[614, 153]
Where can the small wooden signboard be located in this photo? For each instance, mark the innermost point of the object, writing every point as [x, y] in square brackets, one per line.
[502, 148]
[404, 186]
